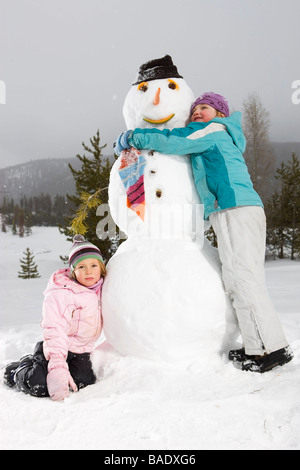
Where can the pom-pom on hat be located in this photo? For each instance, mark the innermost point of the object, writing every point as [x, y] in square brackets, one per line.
[157, 69]
[82, 250]
[213, 99]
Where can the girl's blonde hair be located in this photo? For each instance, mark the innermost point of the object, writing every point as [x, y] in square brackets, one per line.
[219, 114]
[103, 268]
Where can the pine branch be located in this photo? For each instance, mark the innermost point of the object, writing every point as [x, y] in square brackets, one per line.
[89, 202]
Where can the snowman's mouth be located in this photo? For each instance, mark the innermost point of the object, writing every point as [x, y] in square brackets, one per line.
[159, 121]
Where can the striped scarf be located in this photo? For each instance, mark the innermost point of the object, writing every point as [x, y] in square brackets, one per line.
[131, 172]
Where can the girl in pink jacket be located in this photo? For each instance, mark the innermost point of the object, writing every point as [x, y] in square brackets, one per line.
[72, 323]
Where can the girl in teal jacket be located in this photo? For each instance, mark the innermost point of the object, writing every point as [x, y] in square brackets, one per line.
[216, 147]
[215, 142]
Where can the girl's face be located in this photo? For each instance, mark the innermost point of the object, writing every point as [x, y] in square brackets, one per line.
[88, 272]
[203, 113]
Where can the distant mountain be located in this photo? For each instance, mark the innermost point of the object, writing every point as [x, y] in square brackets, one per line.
[283, 151]
[38, 176]
[47, 176]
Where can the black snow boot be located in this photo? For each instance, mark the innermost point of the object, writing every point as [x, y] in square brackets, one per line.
[268, 361]
[237, 355]
[10, 370]
[9, 374]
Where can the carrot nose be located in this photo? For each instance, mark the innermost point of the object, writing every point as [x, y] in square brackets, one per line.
[156, 97]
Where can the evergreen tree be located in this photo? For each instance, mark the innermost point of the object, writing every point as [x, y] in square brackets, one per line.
[21, 223]
[277, 236]
[28, 267]
[91, 183]
[14, 228]
[284, 210]
[3, 226]
[289, 175]
[28, 225]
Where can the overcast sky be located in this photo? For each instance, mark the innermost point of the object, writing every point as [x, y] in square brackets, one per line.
[68, 64]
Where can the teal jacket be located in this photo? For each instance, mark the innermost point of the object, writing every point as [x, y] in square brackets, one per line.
[216, 149]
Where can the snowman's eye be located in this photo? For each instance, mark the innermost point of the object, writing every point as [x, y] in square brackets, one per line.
[143, 87]
[173, 85]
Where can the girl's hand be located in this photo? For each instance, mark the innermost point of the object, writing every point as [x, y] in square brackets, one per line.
[58, 381]
[122, 143]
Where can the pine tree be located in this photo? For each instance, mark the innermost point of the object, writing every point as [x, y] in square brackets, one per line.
[28, 225]
[28, 267]
[283, 210]
[277, 235]
[3, 225]
[14, 228]
[91, 185]
[21, 223]
[289, 174]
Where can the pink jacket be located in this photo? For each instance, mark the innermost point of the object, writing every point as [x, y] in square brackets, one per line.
[72, 319]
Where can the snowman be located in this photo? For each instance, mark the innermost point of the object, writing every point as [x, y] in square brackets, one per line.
[163, 296]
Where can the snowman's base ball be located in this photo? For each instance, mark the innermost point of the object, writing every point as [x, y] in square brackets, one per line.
[165, 299]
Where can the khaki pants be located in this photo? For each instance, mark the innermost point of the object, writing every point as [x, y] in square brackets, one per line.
[241, 235]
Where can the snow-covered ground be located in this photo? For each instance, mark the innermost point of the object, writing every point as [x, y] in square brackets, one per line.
[136, 403]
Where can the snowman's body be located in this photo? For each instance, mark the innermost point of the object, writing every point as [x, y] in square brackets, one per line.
[163, 296]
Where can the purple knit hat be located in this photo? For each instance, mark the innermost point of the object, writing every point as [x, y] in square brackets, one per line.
[82, 250]
[213, 99]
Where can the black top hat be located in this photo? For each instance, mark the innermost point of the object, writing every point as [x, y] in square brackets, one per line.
[156, 69]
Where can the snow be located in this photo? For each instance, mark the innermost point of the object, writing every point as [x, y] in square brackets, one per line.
[138, 403]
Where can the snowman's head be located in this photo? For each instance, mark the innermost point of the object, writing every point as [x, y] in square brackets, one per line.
[159, 97]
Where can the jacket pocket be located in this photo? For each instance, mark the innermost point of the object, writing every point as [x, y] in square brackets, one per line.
[74, 321]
